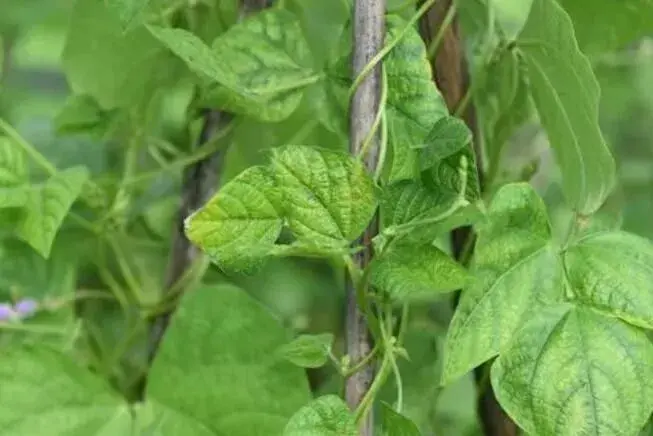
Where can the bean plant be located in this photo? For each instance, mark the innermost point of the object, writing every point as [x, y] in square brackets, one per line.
[365, 165]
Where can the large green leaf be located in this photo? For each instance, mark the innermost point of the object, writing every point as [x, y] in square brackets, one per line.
[572, 371]
[117, 69]
[610, 25]
[324, 416]
[566, 94]
[47, 206]
[241, 223]
[516, 270]
[220, 352]
[409, 272]
[328, 196]
[42, 389]
[129, 11]
[259, 68]
[414, 104]
[613, 271]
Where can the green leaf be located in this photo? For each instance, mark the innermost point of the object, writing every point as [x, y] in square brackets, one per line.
[220, 351]
[448, 136]
[573, 371]
[566, 94]
[308, 351]
[396, 424]
[611, 25]
[411, 272]
[13, 168]
[328, 196]
[259, 67]
[79, 113]
[240, 224]
[117, 69]
[47, 206]
[414, 104]
[42, 389]
[129, 11]
[324, 416]
[516, 270]
[612, 271]
[15, 196]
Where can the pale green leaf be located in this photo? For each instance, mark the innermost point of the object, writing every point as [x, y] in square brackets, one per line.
[409, 272]
[572, 371]
[328, 196]
[414, 104]
[308, 351]
[613, 272]
[241, 223]
[47, 206]
[13, 168]
[610, 25]
[396, 424]
[117, 69]
[220, 351]
[566, 94]
[324, 416]
[516, 270]
[14, 196]
[130, 12]
[42, 389]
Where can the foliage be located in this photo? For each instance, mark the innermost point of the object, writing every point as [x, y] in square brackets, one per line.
[561, 318]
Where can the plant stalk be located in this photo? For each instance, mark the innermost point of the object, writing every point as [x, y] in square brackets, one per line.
[452, 78]
[369, 34]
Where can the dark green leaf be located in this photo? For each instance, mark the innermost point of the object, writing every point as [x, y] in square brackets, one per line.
[515, 262]
[573, 371]
[220, 351]
[324, 416]
[566, 94]
[308, 351]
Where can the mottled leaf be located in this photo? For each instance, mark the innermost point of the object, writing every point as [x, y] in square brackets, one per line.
[324, 416]
[516, 269]
[328, 196]
[308, 351]
[566, 94]
[572, 371]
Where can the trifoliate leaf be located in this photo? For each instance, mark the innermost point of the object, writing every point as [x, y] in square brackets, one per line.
[47, 206]
[571, 370]
[329, 198]
[308, 351]
[516, 270]
[414, 104]
[241, 223]
[566, 94]
[42, 389]
[220, 351]
[612, 271]
[396, 424]
[324, 416]
[410, 272]
[118, 69]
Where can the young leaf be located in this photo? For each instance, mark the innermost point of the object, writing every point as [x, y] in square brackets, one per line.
[611, 271]
[415, 272]
[118, 69]
[516, 270]
[324, 416]
[13, 168]
[396, 424]
[308, 351]
[566, 94]
[259, 68]
[328, 196]
[47, 206]
[220, 351]
[240, 224]
[42, 389]
[414, 104]
[571, 370]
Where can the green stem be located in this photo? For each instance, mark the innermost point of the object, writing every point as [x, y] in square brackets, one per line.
[464, 102]
[446, 22]
[377, 120]
[361, 363]
[30, 150]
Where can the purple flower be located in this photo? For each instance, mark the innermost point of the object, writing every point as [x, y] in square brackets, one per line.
[26, 307]
[6, 312]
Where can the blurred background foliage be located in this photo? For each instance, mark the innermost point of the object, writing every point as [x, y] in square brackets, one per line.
[306, 294]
